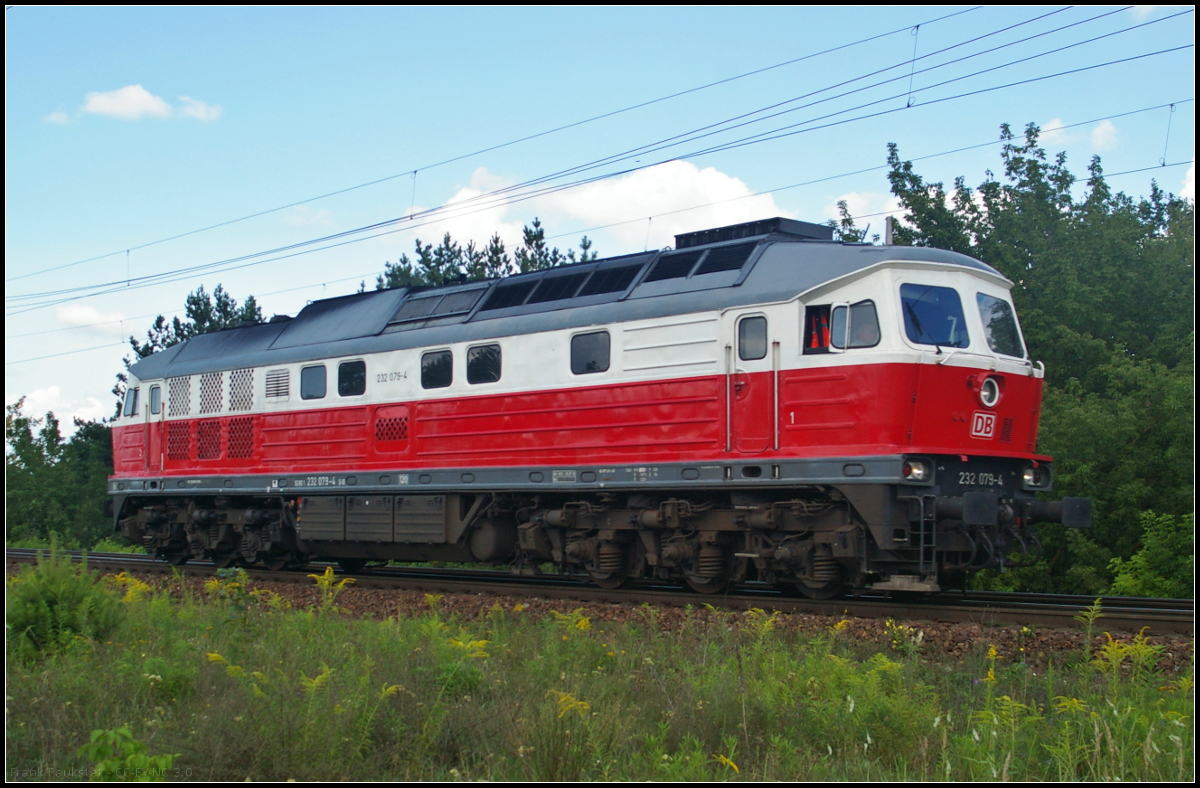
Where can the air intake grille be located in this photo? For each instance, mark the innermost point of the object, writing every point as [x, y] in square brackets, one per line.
[179, 439]
[241, 437]
[726, 258]
[210, 392]
[179, 392]
[673, 266]
[241, 389]
[208, 440]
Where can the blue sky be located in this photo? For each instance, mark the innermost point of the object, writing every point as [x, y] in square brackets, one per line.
[127, 126]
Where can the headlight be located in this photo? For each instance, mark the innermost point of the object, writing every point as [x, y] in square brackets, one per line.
[989, 392]
[915, 470]
[1036, 477]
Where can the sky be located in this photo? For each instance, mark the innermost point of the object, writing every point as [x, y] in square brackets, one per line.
[141, 142]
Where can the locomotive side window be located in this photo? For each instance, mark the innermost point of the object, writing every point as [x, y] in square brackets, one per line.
[934, 316]
[816, 329]
[752, 338]
[589, 353]
[352, 378]
[483, 364]
[1000, 326]
[156, 400]
[437, 369]
[312, 382]
[131, 398]
[862, 330]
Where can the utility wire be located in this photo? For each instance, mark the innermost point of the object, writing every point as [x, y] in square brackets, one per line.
[496, 147]
[493, 196]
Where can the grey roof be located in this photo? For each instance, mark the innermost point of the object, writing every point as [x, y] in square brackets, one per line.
[768, 268]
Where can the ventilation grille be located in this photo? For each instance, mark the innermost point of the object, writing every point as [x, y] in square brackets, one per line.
[241, 437]
[208, 440]
[509, 295]
[179, 437]
[241, 389]
[610, 280]
[277, 384]
[673, 266]
[210, 392]
[556, 288]
[1006, 431]
[726, 258]
[391, 430]
[179, 391]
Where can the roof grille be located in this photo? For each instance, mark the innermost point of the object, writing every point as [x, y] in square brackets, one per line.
[726, 258]
[673, 266]
[556, 288]
[507, 295]
[610, 280]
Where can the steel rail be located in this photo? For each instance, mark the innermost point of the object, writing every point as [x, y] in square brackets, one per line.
[1123, 614]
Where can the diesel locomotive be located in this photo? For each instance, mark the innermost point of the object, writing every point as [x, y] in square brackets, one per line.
[760, 402]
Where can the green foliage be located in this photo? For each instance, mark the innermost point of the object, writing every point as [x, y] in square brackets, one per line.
[118, 757]
[55, 486]
[452, 263]
[1104, 285]
[56, 603]
[1164, 565]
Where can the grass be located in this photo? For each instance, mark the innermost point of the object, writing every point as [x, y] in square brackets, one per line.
[232, 684]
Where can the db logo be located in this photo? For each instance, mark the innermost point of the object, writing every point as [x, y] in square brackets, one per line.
[983, 425]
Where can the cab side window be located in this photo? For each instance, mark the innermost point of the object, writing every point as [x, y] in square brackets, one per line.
[816, 329]
[861, 331]
[156, 400]
[131, 402]
[483, 364]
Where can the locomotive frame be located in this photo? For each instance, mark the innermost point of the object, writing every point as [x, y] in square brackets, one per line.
[760, 401]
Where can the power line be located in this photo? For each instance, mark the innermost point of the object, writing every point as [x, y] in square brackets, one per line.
[496, 147]
[497, 198]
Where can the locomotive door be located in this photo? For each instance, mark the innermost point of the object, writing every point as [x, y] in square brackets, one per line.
[750, 386]
[155, 427]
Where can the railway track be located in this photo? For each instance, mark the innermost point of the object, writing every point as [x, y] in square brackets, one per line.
[1124, 614]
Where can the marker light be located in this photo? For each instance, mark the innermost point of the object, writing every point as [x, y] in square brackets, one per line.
[989, 392]
[915, 470]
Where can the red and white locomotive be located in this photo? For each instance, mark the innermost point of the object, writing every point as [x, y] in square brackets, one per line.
[761, 401]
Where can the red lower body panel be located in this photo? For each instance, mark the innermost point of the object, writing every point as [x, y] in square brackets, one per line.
[875, 409]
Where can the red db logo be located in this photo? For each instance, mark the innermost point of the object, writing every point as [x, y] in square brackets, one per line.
[983, 425]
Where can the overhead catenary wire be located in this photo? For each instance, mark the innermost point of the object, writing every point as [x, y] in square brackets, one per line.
[698, 207]
[246, 261]
[498, 146]
[500, 196]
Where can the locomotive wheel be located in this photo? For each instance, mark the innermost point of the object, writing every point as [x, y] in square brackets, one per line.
[609, 580]
[820, 591]
[712, 585]
[226, 560]
[177, 558]
[352, 565]
[276, 563]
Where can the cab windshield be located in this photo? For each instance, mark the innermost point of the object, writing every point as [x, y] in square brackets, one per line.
[1000, 326]
[934, 316]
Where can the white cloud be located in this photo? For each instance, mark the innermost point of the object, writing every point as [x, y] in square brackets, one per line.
[58, 116]
[1053, 132]
[194, 108]
[302, 216]
[1104, 136]
[51, 400]
[1189, 183]
[128, 103]
[663, 192]
[1142, 12]
[80, 315]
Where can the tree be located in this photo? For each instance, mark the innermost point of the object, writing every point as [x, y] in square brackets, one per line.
[452, 263]
[203, 314]
[1104, 285]
[52, 485]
